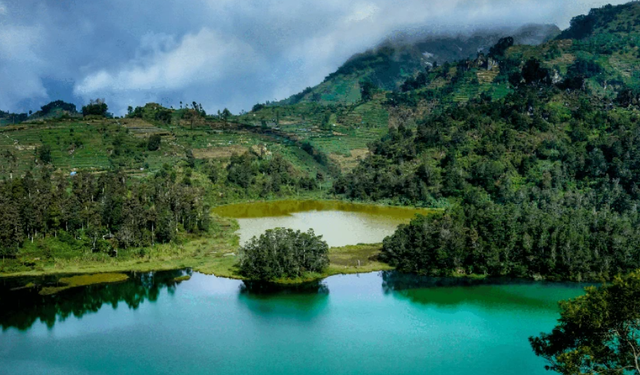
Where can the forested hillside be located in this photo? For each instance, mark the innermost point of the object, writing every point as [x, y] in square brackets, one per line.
[541, 182]
[404, 55]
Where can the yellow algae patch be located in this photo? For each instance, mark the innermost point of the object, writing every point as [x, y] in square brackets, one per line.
[182, 278]
[84, 280]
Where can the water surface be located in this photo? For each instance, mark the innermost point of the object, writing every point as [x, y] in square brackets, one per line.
[378, 323]
[340, 223]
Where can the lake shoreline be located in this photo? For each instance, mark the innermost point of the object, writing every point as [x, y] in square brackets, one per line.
[343, 262]
[215, 253]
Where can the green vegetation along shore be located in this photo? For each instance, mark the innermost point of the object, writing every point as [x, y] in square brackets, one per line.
[221, 262]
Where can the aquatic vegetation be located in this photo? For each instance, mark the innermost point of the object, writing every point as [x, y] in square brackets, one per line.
[84, 280]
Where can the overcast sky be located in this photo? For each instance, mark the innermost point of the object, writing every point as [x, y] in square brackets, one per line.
[221, 53]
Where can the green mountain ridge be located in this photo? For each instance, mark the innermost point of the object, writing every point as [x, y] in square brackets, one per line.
[404, 55]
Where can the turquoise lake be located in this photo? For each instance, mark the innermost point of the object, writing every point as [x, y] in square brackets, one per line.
[377, 323]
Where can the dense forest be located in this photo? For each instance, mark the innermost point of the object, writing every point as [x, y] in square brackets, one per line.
[112, 210]
[540, 183]
[261, 177]
[102, 213]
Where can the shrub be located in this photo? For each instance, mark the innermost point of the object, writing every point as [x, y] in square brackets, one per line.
[44, 154]
[154, 142]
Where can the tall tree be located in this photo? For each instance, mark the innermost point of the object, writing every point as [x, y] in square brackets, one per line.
[598, 333]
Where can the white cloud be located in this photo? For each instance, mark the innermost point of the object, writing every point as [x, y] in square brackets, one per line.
[362, 12]
[3, 9]
[199, 58]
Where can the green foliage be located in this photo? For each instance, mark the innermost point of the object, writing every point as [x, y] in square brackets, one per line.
[51, 108]
[225, 114]
[153, 144]
[101, 212]
[43, 153]
[421, 80]
[256, 107]
[598, 333]
[283, 253]
[294, 99]
[367, 89]
[601, 20]
[533, 73]
[95, 108]
[212, 170]
[397, 145]
[540, 190]
[561, 239]
[151, 112]
[7, 118]
[191, 160]
[628, 97]
[386, 65]
[262, 176]
[501, 47]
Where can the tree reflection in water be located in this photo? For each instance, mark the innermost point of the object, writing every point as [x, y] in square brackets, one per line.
[493, 293]
[263, 289]
[22, 307]
[298, 301]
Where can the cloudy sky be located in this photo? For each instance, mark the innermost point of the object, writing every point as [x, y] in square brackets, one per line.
[221, 53]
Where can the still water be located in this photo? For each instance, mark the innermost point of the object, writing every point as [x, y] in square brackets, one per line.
[339, 223]
[378, 323]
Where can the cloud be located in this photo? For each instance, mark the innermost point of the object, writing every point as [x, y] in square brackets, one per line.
[222, 53]
[199, 58]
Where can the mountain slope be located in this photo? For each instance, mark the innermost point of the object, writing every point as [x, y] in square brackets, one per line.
[403, 55]
[541, 182]
[622, 19]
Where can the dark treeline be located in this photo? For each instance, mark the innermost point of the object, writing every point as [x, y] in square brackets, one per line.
[104, 212]
[101, 213]
[543, 182]
[12, 118]
[564, 239]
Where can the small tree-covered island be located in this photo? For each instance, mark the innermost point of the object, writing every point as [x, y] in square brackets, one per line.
[481, 176]
[283, 254]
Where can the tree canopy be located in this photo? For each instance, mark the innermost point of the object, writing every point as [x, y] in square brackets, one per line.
[283, 253]
[598, 333]
[95, 108]
[102, 212]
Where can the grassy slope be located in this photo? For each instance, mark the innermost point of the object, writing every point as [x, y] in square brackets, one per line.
[90, 145]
